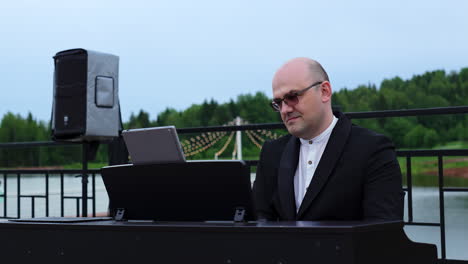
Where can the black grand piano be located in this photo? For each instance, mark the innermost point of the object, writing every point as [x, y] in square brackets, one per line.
[163, 235]
[216, 242]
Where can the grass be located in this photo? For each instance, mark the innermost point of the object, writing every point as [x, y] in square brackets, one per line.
[453, 145]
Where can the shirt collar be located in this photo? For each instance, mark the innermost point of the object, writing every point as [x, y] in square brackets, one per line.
[323, 136]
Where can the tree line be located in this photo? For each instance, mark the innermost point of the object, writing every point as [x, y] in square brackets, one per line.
[431, 89]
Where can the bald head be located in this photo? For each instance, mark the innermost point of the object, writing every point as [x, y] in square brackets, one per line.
[302, 70]
[307, 112]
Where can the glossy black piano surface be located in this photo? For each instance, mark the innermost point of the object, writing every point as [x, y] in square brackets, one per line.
[211, 242]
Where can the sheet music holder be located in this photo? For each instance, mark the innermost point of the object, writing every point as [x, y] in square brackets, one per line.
[190, 191]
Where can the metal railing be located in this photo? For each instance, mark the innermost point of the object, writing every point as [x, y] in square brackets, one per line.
[408, 154]
[47, 174]
[83, 173]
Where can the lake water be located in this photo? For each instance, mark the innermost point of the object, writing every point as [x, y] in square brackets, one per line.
[425, 209]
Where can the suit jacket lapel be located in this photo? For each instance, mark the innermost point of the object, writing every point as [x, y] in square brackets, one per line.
[286, 171]
[328, 161]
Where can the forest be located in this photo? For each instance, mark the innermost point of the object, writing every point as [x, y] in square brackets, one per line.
[431, 89]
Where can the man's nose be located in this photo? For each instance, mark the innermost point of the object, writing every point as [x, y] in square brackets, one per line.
[285, 108]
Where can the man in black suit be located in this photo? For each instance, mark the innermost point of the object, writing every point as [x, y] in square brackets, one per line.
[326, 168]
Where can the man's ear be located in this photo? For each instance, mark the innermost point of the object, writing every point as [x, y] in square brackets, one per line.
[326, 90]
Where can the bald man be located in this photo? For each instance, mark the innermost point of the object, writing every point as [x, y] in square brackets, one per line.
[326, 168]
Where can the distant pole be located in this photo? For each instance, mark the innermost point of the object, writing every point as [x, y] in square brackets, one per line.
[239, 139]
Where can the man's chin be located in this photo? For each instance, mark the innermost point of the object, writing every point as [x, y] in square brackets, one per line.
[294, 130]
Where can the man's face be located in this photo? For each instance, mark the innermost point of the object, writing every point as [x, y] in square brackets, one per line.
[306, 118]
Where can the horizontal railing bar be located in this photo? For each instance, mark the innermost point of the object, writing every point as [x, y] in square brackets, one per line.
[455, 189]
[50, 171]
[76, 197]
[432, 152]
[27, 144]
[36, 144]
[447, 189]
[422, 224]
[410, 112]
[453, 261]
[32, 196]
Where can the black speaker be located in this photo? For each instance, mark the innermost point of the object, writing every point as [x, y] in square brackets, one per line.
[86, 104]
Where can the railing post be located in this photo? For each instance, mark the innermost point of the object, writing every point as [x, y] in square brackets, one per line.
[441, 206]
[47, 194]
[33, 203]
[62, 202]
[84, 180]
[94, 194]
[5, 195]
[409, 184]
[18, 190]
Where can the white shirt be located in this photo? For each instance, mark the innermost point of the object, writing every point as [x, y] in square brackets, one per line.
[309, 157]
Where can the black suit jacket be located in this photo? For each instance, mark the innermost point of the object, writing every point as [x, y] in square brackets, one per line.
[357, 178]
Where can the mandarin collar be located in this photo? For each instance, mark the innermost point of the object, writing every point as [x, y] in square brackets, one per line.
[322, 135]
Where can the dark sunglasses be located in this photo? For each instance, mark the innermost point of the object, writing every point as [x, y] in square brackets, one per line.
[290, 98]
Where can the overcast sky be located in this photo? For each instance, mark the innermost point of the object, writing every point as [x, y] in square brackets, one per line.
[177, 53]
